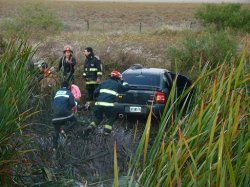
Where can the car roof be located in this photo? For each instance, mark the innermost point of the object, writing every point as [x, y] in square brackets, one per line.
[145, 71]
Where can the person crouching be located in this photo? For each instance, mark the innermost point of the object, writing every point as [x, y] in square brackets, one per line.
[106, 94]
[62, 111]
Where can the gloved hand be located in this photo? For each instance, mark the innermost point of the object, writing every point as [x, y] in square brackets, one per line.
[98, 80]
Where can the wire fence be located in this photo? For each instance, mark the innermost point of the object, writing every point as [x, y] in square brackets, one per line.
[139, 26]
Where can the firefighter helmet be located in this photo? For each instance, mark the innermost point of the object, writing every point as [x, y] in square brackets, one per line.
[116, 74]
[44, 65]
[67, 48]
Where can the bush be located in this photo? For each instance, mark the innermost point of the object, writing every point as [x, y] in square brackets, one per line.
[34, 21]
[197, 50]
[224, 16]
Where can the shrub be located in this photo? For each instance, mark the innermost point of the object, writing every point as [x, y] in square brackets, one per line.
[33, 21]
[197, 50]
[225, 15]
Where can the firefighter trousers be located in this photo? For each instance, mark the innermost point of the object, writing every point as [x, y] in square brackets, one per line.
[68, 124]
[109, 112]
[91, 88]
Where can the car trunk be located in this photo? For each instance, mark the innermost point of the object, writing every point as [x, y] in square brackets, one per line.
[139, 96]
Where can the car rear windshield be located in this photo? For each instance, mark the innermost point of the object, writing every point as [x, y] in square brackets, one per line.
[142, 79]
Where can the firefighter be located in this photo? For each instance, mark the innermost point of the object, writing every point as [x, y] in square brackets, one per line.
[44, 71]
[67, 63]
[106, 94]
[92, 73]
[62, 111]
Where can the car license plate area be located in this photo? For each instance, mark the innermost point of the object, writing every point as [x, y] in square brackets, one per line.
[135, 109]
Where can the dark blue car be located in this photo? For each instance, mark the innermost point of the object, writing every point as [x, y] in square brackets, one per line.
[150, 87]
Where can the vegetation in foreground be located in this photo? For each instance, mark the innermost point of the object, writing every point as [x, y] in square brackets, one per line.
[209, 144]
[15, 93]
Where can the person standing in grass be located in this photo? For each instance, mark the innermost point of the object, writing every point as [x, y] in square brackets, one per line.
[67, 63]
[62, 111]
[92, 73]
[106, 94]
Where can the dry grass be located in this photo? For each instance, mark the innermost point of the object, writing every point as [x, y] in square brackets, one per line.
[113, 29]
[102, 11]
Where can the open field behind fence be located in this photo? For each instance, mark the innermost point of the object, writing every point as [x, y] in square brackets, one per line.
[112, 25]
[120, 33]
[109, 16]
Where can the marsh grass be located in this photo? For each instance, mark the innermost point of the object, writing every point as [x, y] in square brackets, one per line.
[15, 92]
[208, 144]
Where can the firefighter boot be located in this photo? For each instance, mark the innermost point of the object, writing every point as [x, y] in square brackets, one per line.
[87, 106]
[90, 128]
[107, 129]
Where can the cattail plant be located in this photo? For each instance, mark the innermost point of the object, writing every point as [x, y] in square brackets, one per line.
[207, 141]
[15, 91]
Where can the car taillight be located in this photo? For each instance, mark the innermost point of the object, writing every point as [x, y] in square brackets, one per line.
[160, 98]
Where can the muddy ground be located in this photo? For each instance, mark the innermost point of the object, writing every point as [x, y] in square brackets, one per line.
[85, 159]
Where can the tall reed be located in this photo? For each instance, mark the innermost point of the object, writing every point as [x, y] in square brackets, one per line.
[15, 92]
[208, 142]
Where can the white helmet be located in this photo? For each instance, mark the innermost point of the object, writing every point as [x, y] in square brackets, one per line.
[67, 48]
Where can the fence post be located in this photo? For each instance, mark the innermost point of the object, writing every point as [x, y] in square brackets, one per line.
[140, 27]
[87, 25]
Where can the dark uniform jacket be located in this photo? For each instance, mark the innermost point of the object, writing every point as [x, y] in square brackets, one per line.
[108, 90]
[67, 67]
[92, 69]
[62, 105]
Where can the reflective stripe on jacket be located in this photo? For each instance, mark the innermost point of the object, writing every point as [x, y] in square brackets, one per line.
[103, 104]
[91, 82]
[108, 90]
[92, 69]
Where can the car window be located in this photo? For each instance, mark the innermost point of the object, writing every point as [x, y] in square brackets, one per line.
[142, 79]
